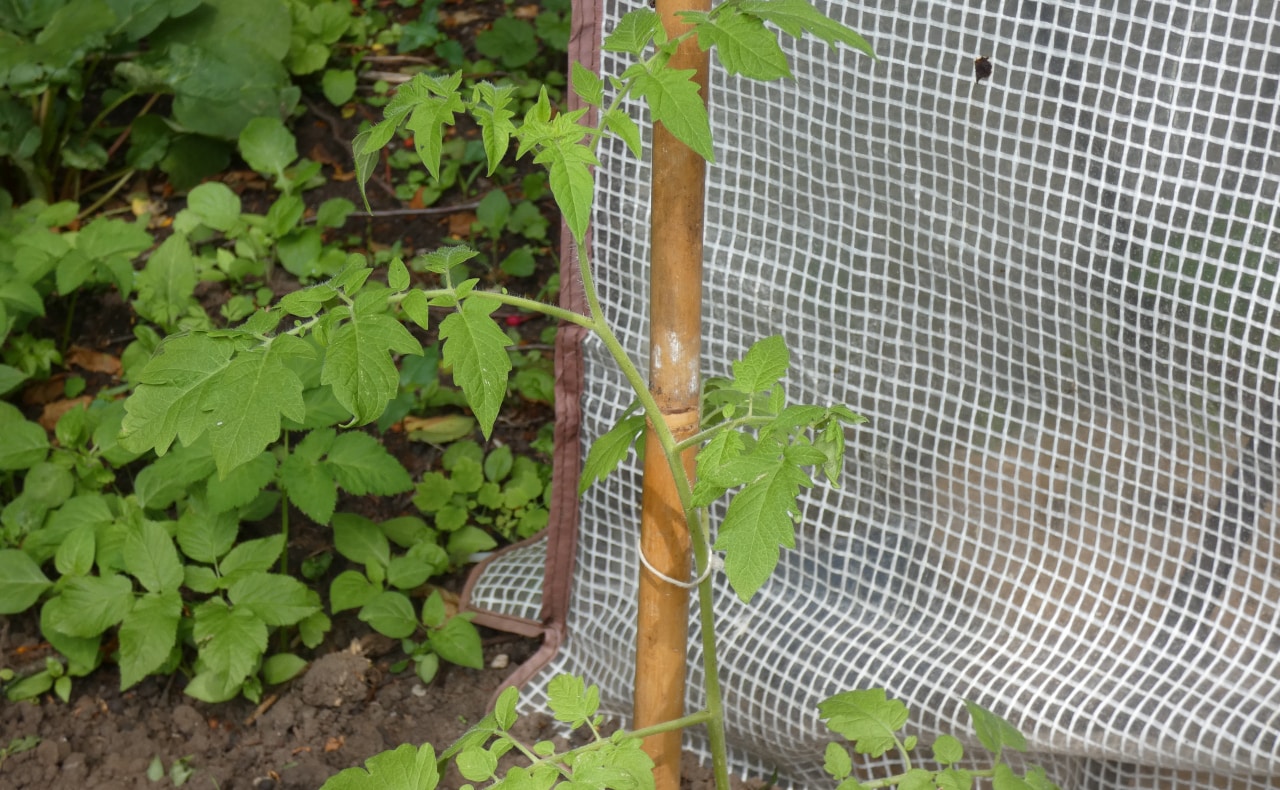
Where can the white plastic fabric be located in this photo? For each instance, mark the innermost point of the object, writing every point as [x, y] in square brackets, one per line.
[1054, 295]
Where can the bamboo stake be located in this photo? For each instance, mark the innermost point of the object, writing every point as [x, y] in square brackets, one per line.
[675, 329]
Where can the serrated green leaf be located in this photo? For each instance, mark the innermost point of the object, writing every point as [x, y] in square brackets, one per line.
[147, 635]
[89, 605]
[491, 113]
[917, 779]
[358, 363]
[477, 764]
[268, 146]
[363, 466]
[275, 599]
[204, 536]
[569, 164]
[947, 749]
[200, 579]
[1038, 780]
[458, 642]
[260, 554]
[866, 718]
[621, 124]
[351, 590]
[215, 204]
[21, 582]
[167, 284]
[443, 259]
[725, 448]
[338, 86]
[633, 32]
[230, 641]
[434, 493]
[763, 366]
[757, 522]
[993, 731]
[1003, 778]
[744, 46]
[611, 449]
[257, 388]
[406, 573]
[390, 614]
[26, 443]
[431, 116]
[796, 17]
[494, 211]
[675, 101]
[468, 540]
[313, 629]
[416, 306]
[433, 610]
[306, 302]
[83, 654]
[365, 149]
[151, 558]
[498, 464]
[214, 686]
[836, 761]
[954, 779]
[467, 475]
[504, 709]
[282, 667]
[171, 477]
[310, 486]
[630, 763]
[406, 767]
[476, 349]
[571, 700]
[241, 485]
[397, 275]
[359, 540]
[587, 84]
[169, 401]
[75, 556]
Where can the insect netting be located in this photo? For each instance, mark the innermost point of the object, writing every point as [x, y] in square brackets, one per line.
[1054, 295]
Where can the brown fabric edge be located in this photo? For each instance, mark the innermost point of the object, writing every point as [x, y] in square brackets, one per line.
[562, 532]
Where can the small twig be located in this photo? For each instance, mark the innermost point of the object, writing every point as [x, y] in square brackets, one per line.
[261, 709]
[396, 59]
[405, 212]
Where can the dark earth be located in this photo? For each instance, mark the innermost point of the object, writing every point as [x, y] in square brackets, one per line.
[349, 704]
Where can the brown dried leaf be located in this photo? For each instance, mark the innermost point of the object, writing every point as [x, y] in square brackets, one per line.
[94, 361]
[52, 412]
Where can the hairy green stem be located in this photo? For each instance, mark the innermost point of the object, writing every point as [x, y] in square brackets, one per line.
[698, 531]
[690, 720]
[705, 435]
[523, 303]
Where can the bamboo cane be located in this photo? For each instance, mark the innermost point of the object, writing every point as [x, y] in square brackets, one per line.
[675, 328]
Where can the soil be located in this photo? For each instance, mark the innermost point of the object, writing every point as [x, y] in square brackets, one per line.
[349, 704]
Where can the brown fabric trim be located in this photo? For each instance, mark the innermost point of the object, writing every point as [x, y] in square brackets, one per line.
[562, 538]
[501, 622]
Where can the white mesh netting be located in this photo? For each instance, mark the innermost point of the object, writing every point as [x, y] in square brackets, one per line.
[1054, 295]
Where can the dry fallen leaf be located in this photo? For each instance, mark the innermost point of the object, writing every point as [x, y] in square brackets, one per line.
[41, 392]
[439, 430]
[53, 412]
[460, 224]
[95, 361]
[334, 744]
[464, 17]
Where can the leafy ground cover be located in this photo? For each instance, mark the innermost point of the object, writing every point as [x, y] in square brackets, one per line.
[166, 625]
